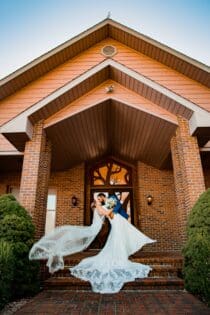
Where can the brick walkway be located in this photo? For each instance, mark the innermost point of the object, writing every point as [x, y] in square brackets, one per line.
[132, 303]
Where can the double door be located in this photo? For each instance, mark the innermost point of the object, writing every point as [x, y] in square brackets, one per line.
[125, 196]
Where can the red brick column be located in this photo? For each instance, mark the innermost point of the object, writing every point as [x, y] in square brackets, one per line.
[35, 177]
[158, 220]
[188, 172]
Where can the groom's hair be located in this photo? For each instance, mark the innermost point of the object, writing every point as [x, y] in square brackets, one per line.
[101, 195]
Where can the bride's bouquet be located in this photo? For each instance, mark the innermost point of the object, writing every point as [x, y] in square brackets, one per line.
[110, 203]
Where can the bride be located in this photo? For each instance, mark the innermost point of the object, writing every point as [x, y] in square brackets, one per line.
[110, 268]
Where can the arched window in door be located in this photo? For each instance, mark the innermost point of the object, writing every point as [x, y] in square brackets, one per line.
[110, 177]
[110, 173]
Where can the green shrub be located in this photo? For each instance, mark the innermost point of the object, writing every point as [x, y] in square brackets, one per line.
[197, 249]
[6, 272]
[16, 227]
[9, 205]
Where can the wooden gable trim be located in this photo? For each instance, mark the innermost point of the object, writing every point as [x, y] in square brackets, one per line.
[155, 86]
[132, 99]
[70, 113]
[24, 115]
[58, 77]
[159, 45]
[21, 119]
[35, 69]
[22, 127]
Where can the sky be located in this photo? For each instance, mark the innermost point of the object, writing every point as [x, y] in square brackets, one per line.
[30, 28]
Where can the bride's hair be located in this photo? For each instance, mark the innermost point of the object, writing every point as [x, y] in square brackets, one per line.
[101, 195]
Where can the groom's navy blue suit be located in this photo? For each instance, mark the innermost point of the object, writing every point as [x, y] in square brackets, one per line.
[118, 208]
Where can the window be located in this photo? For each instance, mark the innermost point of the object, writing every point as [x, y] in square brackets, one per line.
[51, 210]
[110, 174]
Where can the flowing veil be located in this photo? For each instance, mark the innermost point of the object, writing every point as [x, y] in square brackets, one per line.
[65, 240]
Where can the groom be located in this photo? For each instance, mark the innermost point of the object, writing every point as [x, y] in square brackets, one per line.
[117, 208]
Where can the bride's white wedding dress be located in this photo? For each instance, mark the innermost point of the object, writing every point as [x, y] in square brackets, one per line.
[110, 269]
[107, 271]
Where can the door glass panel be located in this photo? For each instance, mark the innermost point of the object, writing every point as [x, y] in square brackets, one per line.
[125, 199]
[110, 177]
[123, 196]
[110, 174]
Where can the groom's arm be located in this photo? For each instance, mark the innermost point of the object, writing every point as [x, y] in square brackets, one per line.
[119, 209]
[118, 206]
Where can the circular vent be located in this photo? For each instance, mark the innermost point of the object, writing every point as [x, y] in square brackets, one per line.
[109, 51]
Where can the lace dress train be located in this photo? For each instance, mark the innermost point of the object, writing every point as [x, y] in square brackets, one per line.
[63, 241]
[110, 269]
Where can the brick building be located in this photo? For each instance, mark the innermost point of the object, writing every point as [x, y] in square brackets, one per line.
[110, 110]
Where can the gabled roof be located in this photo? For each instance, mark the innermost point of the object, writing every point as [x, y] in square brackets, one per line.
[106, 28]
[19, 129]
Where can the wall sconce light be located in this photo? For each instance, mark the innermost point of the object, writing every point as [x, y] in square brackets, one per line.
[74, 201]
[109, 89]
[149, 200]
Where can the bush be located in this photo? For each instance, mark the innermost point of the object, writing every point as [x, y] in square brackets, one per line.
[9, 205]
[197, 249]
[16, 227]
[6, 272]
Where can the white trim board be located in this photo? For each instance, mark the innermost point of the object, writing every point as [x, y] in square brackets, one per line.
[89, 106]
[160, 45]
[20, 124]
[52, 52]
[11, 153]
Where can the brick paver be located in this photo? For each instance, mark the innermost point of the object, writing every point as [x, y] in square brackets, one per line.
[130, 302]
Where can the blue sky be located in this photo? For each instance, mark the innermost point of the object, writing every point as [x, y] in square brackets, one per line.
[29, 28]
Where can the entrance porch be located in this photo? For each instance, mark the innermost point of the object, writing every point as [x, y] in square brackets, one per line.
[162, 158]
[121, 144]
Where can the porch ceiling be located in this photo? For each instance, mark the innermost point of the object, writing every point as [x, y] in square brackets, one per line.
[109, 129]
[10, 163]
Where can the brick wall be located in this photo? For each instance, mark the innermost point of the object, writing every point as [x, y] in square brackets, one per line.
[159, 220]
[67, 184]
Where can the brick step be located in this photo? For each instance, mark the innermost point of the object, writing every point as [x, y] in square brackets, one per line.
[165, 264]
[159, 260]
[143, 258]
[157, 271]
[177, 265]
[71, 283]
